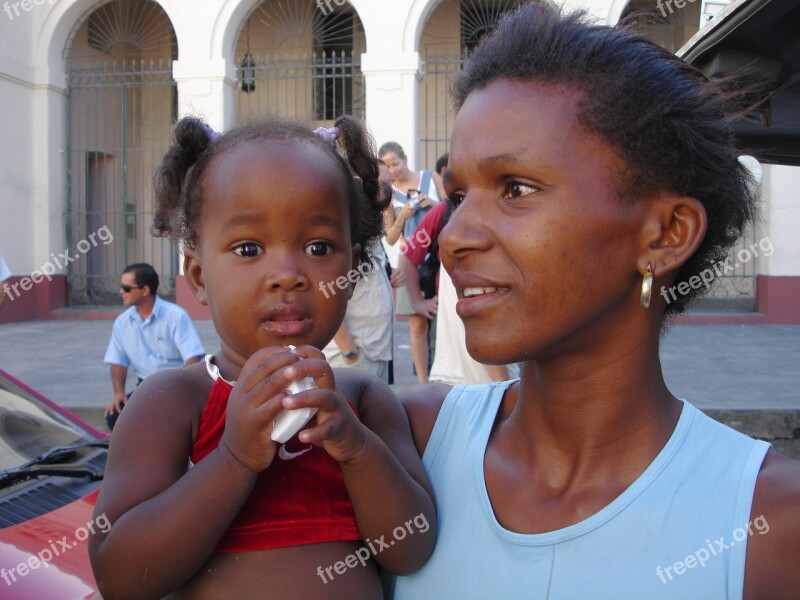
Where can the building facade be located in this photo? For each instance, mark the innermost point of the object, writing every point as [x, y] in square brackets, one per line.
[90, 89]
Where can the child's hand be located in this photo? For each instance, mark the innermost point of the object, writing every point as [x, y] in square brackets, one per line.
[253, 405]
[337, 428]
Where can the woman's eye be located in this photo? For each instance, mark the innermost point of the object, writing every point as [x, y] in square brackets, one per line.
[248, 249]
[455, 199]
[517, 190]
[318, 248]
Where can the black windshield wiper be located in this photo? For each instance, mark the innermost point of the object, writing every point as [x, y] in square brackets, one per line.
[57, 453]
[38, 466]
[10, 476]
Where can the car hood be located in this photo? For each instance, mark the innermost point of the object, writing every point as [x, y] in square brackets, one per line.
[68, 574]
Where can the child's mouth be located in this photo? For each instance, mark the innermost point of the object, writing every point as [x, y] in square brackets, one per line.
[288, 320]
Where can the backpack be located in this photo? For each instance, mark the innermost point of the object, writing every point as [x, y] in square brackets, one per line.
[430, 267]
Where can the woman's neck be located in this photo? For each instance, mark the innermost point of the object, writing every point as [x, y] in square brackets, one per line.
[409, 180]
[573, 417]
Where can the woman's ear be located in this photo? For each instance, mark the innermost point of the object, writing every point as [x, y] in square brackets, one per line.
[193, 272]
[673, 230]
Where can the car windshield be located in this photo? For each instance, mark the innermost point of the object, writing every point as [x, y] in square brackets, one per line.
[29, 427]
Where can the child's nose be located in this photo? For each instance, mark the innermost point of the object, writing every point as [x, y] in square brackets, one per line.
[286, 274]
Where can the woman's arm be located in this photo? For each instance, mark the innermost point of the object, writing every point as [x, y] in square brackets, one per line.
[391, 495]
[773, 543]
[395, 230]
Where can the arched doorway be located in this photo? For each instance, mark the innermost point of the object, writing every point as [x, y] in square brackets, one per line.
[452, 30]
[121, 103]
[295, 59]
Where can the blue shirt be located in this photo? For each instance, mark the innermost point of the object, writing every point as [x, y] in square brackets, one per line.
[165, 340]
[679, 531]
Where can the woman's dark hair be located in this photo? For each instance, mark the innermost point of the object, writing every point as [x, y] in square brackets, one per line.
[178, 183]
[665, 119]
[144, 275]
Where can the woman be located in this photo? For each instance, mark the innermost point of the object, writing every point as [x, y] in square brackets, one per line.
[590, 168]
[414, 194]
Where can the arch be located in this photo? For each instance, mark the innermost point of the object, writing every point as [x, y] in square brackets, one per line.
[58, 26]
[234, 13]
[415, 23]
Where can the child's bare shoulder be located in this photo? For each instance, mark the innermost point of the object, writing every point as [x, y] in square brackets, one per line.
[176, 396]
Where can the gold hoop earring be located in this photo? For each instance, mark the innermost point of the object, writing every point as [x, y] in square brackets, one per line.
[647, 287]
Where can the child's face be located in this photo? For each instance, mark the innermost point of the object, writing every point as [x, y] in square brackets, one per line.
[274, 226]
[541, 221]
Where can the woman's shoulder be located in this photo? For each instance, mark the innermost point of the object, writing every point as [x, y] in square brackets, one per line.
[772, 559]
[422, 404]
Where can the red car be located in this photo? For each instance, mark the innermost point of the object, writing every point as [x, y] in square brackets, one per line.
[51, 465]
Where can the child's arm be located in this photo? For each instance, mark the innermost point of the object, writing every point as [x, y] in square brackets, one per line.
[168, 518]
[382, 470]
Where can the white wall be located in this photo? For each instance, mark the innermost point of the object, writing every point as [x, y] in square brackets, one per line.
[780, 214]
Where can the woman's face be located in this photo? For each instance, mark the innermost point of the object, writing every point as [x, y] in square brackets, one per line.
[541, 249]
[396, 165]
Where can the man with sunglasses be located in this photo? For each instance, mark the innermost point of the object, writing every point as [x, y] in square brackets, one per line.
[152, 335]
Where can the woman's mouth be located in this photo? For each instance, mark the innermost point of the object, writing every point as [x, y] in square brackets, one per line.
[478, 291]
[473, 300]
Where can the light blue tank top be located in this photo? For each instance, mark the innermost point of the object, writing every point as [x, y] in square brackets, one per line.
[693, 502]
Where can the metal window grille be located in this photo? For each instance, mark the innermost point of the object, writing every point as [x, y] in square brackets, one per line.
[318, 87]
[119, 118]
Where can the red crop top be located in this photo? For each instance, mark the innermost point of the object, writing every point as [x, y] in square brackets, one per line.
[299, 499]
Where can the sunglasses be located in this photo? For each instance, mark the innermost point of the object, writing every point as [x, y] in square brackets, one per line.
[128, 288]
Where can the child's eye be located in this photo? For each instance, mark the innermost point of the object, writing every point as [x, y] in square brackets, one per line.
[516, 189]
[248, 249]
[318, 248]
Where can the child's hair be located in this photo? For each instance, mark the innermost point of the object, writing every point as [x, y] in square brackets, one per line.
[178, 181]
[670, 124]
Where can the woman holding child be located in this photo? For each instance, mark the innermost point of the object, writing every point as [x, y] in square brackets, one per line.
[590, 167]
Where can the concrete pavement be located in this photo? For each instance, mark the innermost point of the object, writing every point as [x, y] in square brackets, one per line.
[751, 368]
